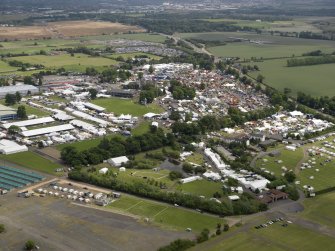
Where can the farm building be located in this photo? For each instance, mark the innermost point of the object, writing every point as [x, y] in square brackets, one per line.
[7, 113]
[22, 89]
[29, 122]
[47, 130]
[118, 161]
[103, 170]
[10, 147]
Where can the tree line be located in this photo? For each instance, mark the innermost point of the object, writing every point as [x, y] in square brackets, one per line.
[294, 62]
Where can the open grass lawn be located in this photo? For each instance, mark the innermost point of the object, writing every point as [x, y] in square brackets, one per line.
[290, 160]
[316, 80]
[201, 187]
[32, 161]
[321, 209]
[66, 60]
[274, 237]
[323, 179]
[126, 106]
[5, 68]
[141, 128]
[165, 215]
[85, 144]
[196, 158]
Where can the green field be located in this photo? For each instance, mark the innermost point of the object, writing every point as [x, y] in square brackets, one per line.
[32, 161]
[126, 106]
[274, 237]
[289, 159]
[85, 144]
[133, 55]
[5, 68]
[139, 36]
[78, 62]
[141, 128]
[317, 80]
[201, 187]
[196, 158]
[164, 214]
[30, 110]
[321, 209]
[272, 46]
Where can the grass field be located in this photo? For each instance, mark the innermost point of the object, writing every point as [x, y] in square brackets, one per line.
[165, 215]
[30, 110]
[274, 237]
[289, 159]
[132, 55]
[32, 161]
[141, 128]
[79, 61]
[284, 26]
[196, 158]
[5, 68]
[201, 187]
[85, 144]
[321, 209]
[148, 37]
[316, 80]
[126, 106]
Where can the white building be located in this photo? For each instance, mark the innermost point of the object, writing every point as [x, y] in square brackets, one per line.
[118, 161]
[103, 170]
[190, 179]
[10, 147]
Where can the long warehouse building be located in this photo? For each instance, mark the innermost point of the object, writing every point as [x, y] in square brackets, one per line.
[47, 130]
[22, 89]
[29, 122]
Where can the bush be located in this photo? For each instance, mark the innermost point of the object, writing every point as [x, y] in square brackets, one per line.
[178, 245]
[173, 175]
[187, 168]
[204, 236]
[2, 228]
[29, 245]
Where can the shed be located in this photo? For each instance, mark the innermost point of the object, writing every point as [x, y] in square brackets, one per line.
[118, 161]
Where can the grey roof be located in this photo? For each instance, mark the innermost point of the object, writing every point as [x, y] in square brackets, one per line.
[5, 110]
[17, 88]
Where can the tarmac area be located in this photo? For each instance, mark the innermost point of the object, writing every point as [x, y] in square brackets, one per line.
[58, 224]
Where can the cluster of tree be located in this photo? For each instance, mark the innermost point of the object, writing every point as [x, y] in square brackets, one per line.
[10, 54]
[312, 35]
[202, 60]
[21, 112]
[325, 104]
[178, 245]
[313, 53]
[294, 62]
[246, 68]
[12, 99]
[24, 66]
[246, 205]
[112, 75]
[148, 93]
[81, 49]
[117, 147]
[4, 82]
[180, 91]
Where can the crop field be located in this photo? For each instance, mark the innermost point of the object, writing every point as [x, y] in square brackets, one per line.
[147, 37]
[65, 29]
[126, 106]
[31, 161]
[317, 80]
[321, 209]
[274, 237]
[165, 215]
[67, 61]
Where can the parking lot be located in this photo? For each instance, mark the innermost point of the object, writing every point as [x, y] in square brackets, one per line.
[59, 224]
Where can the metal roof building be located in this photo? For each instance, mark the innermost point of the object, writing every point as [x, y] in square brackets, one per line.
[7, 113]
[47, 130]
[22, 89]
[29, 122]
